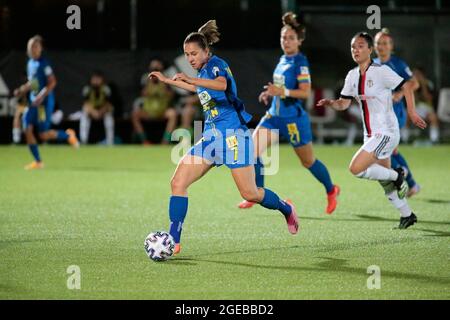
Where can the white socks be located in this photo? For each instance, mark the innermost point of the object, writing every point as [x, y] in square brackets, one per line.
[85, 125]
[16, 133]
[400, 204]
[108, 121]
[377, 172]
[434, 134]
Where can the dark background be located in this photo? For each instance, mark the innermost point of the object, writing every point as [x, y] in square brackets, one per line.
[250, 39]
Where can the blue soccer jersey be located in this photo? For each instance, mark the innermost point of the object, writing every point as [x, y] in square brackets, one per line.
[39, 116]
[37, 72]
[289, 73]
[226, 139]
[402, 69]
[222, 109]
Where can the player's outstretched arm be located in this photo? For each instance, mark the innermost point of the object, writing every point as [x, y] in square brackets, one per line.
[408, 90]
[219, 83]
[173, 82]
[339, 104]
[23, 89]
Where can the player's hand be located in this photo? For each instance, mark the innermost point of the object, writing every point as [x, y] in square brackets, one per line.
[417, 120]
[397, 96]
[17, 92]
[182, 77]
[38, 100]
[273, 91]
[264, 98]
[324, 103]
[158, 75]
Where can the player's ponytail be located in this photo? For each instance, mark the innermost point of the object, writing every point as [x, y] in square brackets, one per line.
[289, 20]
[210, 31]
[206, 36]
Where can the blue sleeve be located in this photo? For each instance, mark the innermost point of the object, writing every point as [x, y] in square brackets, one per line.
[302, 73]
[217, 69]
[403, 70]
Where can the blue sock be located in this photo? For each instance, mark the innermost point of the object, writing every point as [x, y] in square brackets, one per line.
[177, 212]
[272, 201]
[35, 152]
[397, 160]
[62, 135]
[259, 166]
[320, 172]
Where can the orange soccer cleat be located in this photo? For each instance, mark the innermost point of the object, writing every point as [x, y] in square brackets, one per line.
[34, 165]
[72, 140]
[177, 249]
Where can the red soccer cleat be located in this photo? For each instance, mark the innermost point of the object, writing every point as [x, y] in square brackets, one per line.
[332, 199]
[246, 204]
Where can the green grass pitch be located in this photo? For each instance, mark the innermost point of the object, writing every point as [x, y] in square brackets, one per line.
[93, 208]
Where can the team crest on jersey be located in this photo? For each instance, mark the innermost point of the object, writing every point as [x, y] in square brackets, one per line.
[370, 83]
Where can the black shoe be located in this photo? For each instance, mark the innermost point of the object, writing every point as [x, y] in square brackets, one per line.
[406, 222]
[400, 183]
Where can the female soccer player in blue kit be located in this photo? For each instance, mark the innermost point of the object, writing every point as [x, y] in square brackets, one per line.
[384, 45]
[291, 86]
[40, 86]
[226, 139]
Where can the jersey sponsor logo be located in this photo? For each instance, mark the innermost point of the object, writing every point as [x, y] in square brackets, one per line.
[279, 80]
[204, 97]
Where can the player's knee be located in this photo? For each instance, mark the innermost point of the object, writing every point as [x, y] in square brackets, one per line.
[177, 185]
[356, 171]
[307, 163]
[250, 195]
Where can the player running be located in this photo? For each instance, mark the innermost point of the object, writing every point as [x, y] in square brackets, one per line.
[384, 45]
[290, 88]
[40, 86]
[226, 139]
[371, 85]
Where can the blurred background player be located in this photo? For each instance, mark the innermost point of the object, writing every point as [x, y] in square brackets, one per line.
[155, 102]
[20, 104]
[97, 105]
[371, 84]
[291, 87]
[226, 139]
[384, 46]
[41, 102]
[424, 103]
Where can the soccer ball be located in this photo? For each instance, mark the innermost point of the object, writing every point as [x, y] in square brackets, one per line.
[159, 245]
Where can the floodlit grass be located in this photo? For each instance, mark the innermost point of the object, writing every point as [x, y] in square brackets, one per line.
[93, 208]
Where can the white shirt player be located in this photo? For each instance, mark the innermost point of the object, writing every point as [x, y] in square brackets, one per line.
[373, 92]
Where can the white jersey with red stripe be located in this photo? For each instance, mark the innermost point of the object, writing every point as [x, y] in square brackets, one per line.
[373, 92]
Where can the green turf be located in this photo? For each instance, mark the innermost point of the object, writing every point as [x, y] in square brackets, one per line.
[93, 208]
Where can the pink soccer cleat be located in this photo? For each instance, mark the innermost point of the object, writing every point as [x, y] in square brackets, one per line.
[292, 219]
